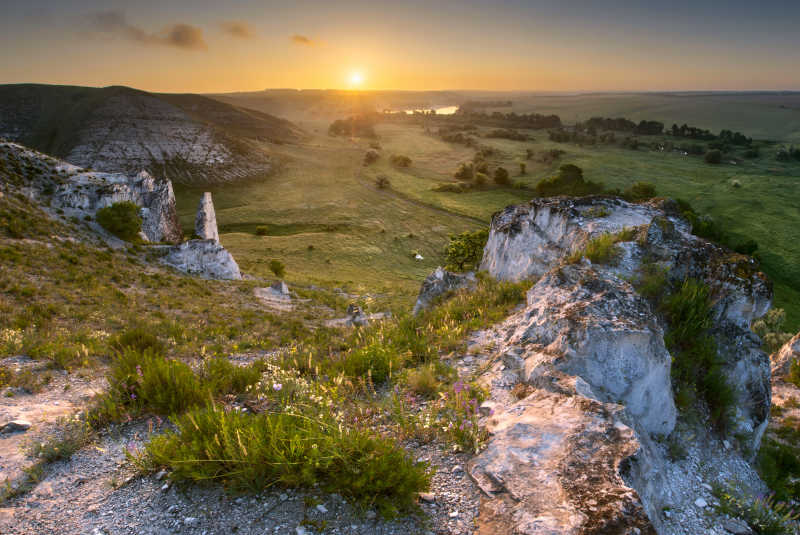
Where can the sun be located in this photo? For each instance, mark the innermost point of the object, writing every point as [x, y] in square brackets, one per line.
[356, 79]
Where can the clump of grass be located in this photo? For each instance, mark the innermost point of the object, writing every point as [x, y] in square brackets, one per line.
[778, 465]
[71, 435]
[138, 338]
[696, 369]
[603, 249]
[764, 514]
[651, 282]
[257, 451]
[222, 377]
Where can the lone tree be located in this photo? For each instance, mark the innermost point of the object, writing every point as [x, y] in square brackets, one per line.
[465, 250]
[568, 181]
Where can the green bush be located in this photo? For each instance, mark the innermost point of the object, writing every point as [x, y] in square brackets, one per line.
[568, 181]
[398, 160]
[640, 191]
[277, 267]
[262, 230]
[770, 329]
[256, 452]
[221, 376]
[603, 249]
[481, 179]
[121, 219]
[464, 172]
[465, 250]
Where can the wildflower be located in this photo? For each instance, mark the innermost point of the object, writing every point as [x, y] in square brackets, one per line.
[139, 371]
[277, 386]
[458, 387]
[133, 396]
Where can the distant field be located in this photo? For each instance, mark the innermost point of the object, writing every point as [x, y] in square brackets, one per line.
[330, 224]
[774, 116]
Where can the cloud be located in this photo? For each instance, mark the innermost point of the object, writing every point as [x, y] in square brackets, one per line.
[114, 24]
[302, 40]
[239, 29]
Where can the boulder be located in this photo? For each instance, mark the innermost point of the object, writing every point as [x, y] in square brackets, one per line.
[783, 358]
[205, 258]
[439, 283]
[15, 426]
[205, 223]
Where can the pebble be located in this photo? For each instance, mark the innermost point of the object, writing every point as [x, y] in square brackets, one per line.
[706, 486]
[300, 530]
[428, 497]
[371, 515]
[165, 487]
[191, 521]
[700, 502]
[283, 497]
[453, 514]
[160, 475]
[322, 509]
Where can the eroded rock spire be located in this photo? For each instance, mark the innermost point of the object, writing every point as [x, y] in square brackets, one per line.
[205, 224]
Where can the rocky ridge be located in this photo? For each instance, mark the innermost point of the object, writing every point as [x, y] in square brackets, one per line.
[582, 402]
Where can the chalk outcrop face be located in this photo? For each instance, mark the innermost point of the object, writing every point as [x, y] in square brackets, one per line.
[580, 378]
[204, 258]
[205, 224]
[81, 193]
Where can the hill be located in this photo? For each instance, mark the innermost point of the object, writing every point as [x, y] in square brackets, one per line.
[187, 138]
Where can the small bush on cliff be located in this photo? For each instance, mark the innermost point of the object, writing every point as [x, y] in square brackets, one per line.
[465, 250]
[640, 191]
[603, 249]
[277, 267]
[121, 219]
[770, 329]
[399, 160]
[568, 181]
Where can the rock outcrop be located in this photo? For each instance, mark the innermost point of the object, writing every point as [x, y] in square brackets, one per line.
[439, 283]
[205, 224]
[205, 258]
[80, 193]
[580, 378]
[783, 358]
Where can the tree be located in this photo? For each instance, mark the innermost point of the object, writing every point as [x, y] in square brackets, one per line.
[522, 168]
[713, 156]
[382, 182]
[465, 250]
[371, 157]
[121, 219]
[398, 160]
[501, 176]
[568, 181]
[481, 179]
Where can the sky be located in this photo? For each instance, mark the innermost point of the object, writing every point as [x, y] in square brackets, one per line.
[205, 46]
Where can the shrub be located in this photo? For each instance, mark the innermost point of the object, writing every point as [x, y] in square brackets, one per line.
[522, 168]
[149, 382]
[277, 267]
[640, 191]
[262, 230]
[568, 181]
[465, 250]
[256, 452]
[778, 465]
[223, 377]
[713, 156]
[121, 219]
[481, 179]
[382, 182]
[371, 157]
[766, 515]
[603, 249]
[501, 176]
[398, 160]
[770, 329]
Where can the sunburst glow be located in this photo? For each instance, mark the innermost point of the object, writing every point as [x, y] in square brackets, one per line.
[356, 78]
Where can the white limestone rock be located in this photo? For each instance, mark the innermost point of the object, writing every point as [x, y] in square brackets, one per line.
[438, 283]
[783, 358]
[204, 258]
[205, 224]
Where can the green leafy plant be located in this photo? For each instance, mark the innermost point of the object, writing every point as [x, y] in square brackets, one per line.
[121, 219]
[277, 267]
[465, 250]
[568, 181]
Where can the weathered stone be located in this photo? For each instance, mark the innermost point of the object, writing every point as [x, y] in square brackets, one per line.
[439, 283]
[736, 526]
[783, 358]
[205, 258]
[205, 224]
[15, 426]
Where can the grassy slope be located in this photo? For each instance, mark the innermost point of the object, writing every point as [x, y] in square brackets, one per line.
[325, 198]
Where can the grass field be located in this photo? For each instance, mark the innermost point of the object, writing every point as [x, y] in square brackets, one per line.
[331, 225]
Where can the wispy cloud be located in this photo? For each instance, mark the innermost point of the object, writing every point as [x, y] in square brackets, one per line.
[239, 29]
[114, 24]
[302, 40]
